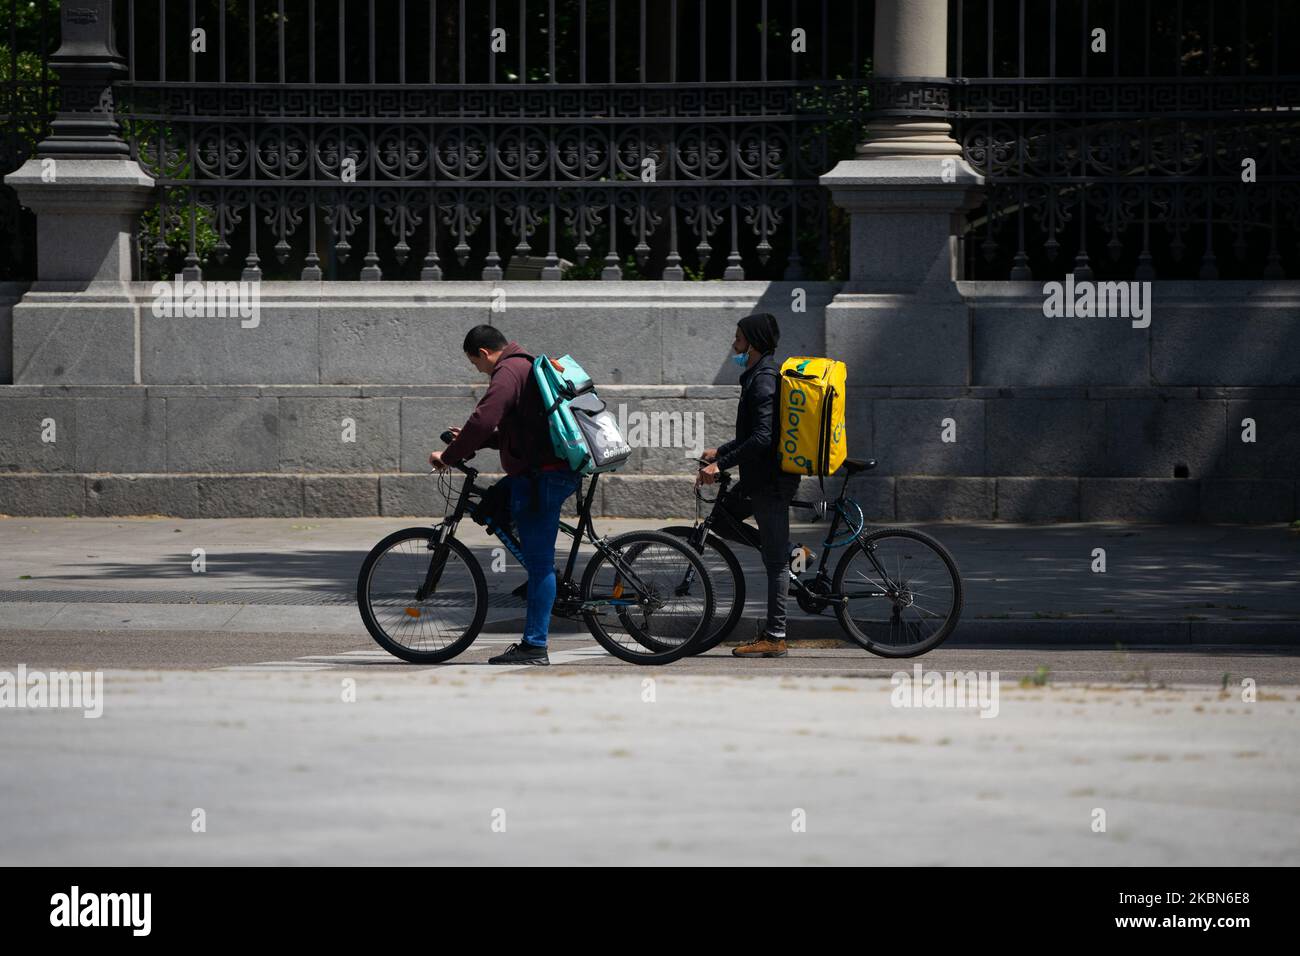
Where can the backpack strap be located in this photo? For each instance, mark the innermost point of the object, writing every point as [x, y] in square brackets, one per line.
[824, 438]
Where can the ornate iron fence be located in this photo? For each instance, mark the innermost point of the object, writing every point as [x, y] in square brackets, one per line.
[674, 138]
[1123, 152]
[446, 139]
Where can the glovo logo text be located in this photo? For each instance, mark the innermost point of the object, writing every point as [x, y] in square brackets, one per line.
[798, 405]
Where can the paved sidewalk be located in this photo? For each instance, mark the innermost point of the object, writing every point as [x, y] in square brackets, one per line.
[471, 765]
[1024, 583]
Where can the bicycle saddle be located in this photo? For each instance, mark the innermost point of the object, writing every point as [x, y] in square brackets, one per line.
[854, 465]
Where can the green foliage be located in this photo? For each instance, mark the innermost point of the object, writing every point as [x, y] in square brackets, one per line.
[27, 22]
[28, 65]
[177, 233]
[31, 105]
[843, 108]
[160, 158]
[1037, 679]
[594, 265]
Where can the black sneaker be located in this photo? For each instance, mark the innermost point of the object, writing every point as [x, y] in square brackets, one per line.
[522, 653]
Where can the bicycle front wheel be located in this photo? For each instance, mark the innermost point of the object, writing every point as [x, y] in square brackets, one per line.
[647, 598]
[901, 592]
[421, 601]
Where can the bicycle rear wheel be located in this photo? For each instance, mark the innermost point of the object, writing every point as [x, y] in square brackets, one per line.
[647, 597]
[902, 592]
[419, 627]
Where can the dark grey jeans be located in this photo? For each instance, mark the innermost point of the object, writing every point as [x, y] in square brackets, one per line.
[770, 508]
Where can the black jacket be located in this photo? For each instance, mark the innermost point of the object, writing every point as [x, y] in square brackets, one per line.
[754, 449]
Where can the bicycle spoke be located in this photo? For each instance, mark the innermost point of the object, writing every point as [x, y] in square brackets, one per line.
[925, 594]
[422, 626]
[658, 615]
[915, 606]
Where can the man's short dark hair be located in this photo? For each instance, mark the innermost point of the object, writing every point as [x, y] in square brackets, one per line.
[484, 337]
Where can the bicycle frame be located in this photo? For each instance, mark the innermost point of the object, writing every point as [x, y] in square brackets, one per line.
[585, 528]
[469, 491]
[839, 515]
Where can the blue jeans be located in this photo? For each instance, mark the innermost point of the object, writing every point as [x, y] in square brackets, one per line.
[535, 507]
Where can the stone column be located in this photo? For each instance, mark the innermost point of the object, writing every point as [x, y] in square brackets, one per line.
[76, 324]
[911, 41]
[899, 315]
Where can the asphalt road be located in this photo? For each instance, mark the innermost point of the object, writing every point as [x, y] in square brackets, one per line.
[124, 594]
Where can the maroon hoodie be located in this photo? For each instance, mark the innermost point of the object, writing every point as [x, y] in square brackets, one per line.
[509, 418]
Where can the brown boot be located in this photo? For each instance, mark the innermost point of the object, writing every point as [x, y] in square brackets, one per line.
[761, 646]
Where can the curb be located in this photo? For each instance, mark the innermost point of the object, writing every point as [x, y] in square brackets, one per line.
[1022, 633]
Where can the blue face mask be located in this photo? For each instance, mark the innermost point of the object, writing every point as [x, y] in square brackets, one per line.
[741, 358]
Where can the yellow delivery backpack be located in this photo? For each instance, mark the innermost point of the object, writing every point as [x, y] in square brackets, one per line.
[812, 440]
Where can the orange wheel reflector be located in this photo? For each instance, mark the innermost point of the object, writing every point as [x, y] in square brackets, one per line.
[413, 611]
[618, 589]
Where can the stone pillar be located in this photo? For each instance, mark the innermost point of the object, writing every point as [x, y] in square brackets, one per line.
[76, 324]
[86, 210]
[911, 41]
[899, 315]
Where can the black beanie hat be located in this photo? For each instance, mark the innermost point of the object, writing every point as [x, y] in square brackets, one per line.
[761, 331]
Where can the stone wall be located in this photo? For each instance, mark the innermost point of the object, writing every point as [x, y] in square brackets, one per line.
[1051, 419]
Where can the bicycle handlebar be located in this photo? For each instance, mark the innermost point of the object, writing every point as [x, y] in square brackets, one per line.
[461, 466]
[817, 508]
[724, 479]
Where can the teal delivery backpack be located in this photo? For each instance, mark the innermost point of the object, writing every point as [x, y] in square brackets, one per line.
[584, 434]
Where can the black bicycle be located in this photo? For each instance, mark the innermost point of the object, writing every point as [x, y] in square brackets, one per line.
[896, 592]
[645, 596]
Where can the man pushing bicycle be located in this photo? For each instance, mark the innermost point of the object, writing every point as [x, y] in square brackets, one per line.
[510, 417]
[764, 489]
